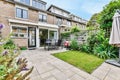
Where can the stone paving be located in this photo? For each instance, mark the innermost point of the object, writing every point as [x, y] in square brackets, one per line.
[47, 67]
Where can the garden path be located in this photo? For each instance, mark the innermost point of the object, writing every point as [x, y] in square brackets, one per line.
[47, 67]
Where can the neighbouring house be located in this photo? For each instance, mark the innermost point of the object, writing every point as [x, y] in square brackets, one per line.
[66, 20]
[31, 23]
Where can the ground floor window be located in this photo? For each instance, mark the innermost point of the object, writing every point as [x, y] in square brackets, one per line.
[19, 32]
[53, 35]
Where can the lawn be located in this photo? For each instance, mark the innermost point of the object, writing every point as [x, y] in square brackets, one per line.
[82, 60]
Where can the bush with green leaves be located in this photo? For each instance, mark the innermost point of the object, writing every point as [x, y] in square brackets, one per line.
[65, 34]
[74, 29]
[84, 47]
[104, 51]
[23, 48]
[74, 45]
[9, 44]
[98, 44]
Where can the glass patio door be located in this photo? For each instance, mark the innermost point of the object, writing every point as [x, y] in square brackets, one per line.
[31, 37]
[43, 34]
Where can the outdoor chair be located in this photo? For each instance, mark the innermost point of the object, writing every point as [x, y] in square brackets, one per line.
[53, 44]
[59, 44]
[47, 44]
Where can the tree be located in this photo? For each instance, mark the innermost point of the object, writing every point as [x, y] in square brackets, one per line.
[74, 29]
[105, 18]
[93, 21]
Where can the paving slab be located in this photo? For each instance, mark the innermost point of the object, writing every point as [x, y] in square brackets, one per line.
[48, 67]
[107, 72]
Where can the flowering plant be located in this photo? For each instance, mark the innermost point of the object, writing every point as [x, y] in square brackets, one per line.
[11, 67]
[1, 26]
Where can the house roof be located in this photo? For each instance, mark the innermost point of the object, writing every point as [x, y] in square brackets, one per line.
[57, 8]
[48, 12]
[43, 1]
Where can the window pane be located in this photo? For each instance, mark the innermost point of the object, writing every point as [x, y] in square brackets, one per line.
[25, 1]
[68, 23]
[40, 17]
[19, 32]
[22, 1]
[33, 3]
[15, 35]
[38, 5]
[18, 13]
[43, 7]
[59, 21]
[45, 18]
[25, 14]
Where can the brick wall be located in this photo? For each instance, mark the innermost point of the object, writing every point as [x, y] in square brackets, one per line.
[50, 19]
[21, 42]
[6, 11]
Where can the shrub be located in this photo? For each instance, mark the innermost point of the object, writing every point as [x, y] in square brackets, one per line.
[23, 48]
[74, 45]
[98, 44]
[104, 51]
[74, 29]
[9, 45]
[65, 34]
[84, 47]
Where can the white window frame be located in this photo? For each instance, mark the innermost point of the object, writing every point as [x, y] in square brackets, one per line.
[19, 26]
[41, 5]
[21, 7]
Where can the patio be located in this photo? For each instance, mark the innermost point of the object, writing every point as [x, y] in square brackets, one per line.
[47, 67]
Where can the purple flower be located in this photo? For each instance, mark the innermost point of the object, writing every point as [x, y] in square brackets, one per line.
[1, 26]
[15, 51]
[1, 43]
[5, 53]
[25, 69]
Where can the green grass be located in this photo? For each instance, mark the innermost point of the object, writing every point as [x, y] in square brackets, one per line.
[82, 60]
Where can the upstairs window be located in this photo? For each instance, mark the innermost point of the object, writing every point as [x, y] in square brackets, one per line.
[69, 23]
[38, 4]
[42, 18]
[21, 13]
[25, 2]
[59, 21]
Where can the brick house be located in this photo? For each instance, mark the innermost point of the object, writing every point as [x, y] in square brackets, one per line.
[31, 23]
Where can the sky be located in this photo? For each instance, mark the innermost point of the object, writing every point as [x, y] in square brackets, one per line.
[82, 8]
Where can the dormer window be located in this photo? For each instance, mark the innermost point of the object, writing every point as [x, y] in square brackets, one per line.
[38, 4]
[25, 2]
